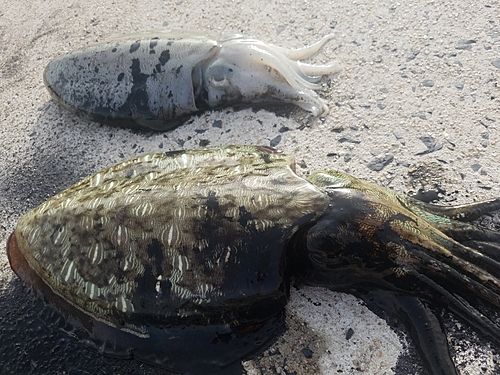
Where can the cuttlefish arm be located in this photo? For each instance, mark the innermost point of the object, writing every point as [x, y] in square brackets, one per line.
[252, 71]
[422, 257]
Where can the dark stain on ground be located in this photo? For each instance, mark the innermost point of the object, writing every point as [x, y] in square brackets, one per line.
[29, 183]
[31, 345]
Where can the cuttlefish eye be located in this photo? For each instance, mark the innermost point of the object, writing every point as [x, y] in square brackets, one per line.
[219, 76]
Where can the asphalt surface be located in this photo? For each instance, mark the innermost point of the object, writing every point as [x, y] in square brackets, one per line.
[415, 107]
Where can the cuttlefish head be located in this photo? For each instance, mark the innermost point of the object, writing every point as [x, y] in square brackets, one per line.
[251, 71]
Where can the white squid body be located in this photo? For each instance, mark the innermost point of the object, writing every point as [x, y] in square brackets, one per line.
[156, 80]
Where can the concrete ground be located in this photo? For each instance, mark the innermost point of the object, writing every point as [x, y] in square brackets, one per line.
[416, 106]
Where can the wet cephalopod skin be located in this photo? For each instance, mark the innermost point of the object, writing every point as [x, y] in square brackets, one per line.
[183, 259]
[155, 80]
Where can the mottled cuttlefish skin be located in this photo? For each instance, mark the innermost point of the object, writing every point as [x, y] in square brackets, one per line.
[183, 259]
[155, 80]
[174, 237]
[145, 222]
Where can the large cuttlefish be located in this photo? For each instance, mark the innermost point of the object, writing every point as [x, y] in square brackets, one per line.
[184, 259]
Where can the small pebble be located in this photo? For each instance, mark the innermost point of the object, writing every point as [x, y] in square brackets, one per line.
[308, 353]
[412, 56]
[465, 44]
[419, 115]
[274, 351]
[275, 141]
[431, 144]
[428, 83]
[280, 29]
[349, 334]
[485, 187]
[204, 142]
[348, 140]
[475, 167]
[379, 163]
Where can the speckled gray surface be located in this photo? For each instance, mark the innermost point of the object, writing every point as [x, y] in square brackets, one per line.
[417, 105]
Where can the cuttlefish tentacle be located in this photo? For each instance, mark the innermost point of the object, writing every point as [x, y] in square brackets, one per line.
[458, 250]
[298, 75]
[315, 72]
[463, 234]
[487, 248]
[234, 72]
[450, 268]
[437, 270]
[452, 221]
[485, 241]
[458, 273]
[420, 246]
[305, 52]
[425, 327]
[436, 250]
[429, 249]
[461, 307]
[288, 69]
[464, 212]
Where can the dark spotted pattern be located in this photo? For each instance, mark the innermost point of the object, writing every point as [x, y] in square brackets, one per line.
[162, 78]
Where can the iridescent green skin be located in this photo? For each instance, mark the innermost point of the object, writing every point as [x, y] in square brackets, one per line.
[169, 257]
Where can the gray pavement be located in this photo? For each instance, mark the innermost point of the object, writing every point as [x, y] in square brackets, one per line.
[416, 106]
